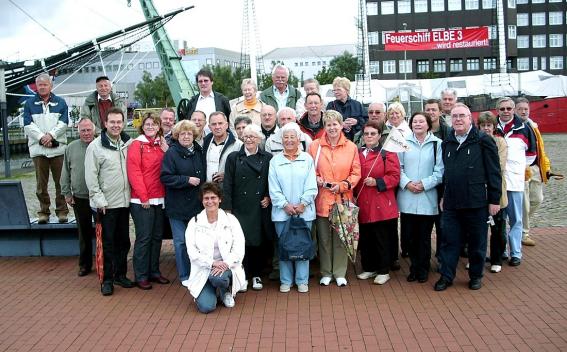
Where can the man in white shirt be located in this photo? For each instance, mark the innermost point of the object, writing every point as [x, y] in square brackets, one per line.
[207, 101]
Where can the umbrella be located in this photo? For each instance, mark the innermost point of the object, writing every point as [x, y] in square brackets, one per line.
[99, 259]
[344, 222]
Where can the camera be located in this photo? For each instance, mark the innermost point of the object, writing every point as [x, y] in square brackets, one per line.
[327, 185]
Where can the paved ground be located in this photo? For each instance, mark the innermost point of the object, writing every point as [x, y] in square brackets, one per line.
[46, 307]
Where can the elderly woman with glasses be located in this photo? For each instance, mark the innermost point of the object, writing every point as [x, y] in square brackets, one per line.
[182, 173]
[249, 105]
[246, 196]
[145, 155]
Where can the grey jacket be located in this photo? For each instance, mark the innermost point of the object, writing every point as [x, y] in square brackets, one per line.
[73, 173]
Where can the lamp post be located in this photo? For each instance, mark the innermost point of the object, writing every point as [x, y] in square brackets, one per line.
[405, 56]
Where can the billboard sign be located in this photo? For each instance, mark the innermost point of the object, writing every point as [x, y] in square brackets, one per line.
[437, 40]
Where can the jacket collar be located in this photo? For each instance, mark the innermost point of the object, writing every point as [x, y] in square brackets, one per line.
[105, 141]
[324, 142]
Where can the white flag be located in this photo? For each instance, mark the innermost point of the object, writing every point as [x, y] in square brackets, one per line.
[396, 143]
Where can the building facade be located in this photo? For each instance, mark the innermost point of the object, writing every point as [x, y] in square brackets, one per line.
[534, 35]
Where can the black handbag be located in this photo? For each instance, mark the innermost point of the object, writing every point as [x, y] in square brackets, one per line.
[295, 242]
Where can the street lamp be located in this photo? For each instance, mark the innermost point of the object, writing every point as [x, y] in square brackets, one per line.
[405, 56]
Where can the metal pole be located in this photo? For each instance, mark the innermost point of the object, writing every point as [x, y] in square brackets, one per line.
[405, 57]
[4, 116]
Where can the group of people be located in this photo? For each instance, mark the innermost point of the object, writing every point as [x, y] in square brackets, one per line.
[227, 181]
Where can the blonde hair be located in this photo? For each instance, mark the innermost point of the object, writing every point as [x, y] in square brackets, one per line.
[185, 125]
[342, 82]
[248, 81]
[396, 106]
[332, 115]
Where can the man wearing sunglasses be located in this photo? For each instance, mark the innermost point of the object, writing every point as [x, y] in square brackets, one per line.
[522, 152]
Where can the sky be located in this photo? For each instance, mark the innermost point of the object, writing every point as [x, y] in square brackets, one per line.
[212, 23]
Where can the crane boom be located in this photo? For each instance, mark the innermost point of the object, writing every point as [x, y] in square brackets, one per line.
[179, 84]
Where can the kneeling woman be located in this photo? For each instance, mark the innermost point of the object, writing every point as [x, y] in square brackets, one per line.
[215, 245]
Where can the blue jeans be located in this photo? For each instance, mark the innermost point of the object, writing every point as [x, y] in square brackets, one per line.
[182, 262]
[207, 300]
[286, 267]
[514, 212]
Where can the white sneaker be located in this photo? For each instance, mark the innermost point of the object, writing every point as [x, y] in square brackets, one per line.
[185, 283]
[366, 275]
[244, 287]
[284, 288]
[381, 279]
[325, 281]
[302, 288]
[495, 268]
[341, 281]
[257, 283]
[228, 300]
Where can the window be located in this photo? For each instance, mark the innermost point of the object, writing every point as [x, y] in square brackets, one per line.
[209, 61]
[471, 4]
[535, 64]
[473, 64]
[456, 65]
[156, 64]
[373, 38]
[374, 67]
[488, 4]
[538, 1]
[405, 66]
[115, 67]
[555, 0]
[489, 63]
[521, 2]
[556, 40]
[511, 4]
[492, 32]
[439, 65]
[523, 41]
[437, 5]
[555, 18]
[324, 63]
[141, 66]
[387, 7]
[556, 63]
[538, 41]
[538, 19]
[522, 19]
[384, 35]
[296, 64]
[318, 63]
[372, 8]
[523, 64]
[543, 63]
[404, 6]
[511, 32]
[454, 5]
[420, 6]
[422, 66]
[389, 66]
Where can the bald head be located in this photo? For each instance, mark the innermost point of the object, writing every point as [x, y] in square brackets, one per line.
[268, 117]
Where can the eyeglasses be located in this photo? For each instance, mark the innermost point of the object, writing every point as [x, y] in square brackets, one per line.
[374, 111]
[507, 108]
[370, 133]
[459, 116]
[248, 137]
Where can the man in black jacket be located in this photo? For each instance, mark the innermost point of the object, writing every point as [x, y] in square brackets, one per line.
[207, 100]
[472, 188]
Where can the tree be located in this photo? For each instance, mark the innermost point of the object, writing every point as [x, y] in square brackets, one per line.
[345, 65]
[227, 80]
[153, 92]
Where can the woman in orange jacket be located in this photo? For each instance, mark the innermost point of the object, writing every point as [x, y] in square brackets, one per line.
[338, 171]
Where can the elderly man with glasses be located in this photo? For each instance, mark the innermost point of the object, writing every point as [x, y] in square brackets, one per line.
[521, 154]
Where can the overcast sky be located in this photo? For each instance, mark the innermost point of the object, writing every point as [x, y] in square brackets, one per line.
[212, 23]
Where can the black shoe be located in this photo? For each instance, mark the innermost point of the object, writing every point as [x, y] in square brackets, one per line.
[411, 277]
[395, 265]
[475, 284]
[514, 261]
[160, 280]
[504, 257]
[106, 288]
[422, 278]
[124, 282]
[442, 284]
[84, 272]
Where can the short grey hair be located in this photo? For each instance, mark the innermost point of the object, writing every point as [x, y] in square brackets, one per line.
[505, 99]
[44, 77]
[284, 109]
[449, 91]
[255, 129]
[292, 126]
[312, 80]
[280, 66]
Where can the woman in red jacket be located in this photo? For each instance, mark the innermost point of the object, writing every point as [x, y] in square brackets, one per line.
[380, 175]
[144, 159]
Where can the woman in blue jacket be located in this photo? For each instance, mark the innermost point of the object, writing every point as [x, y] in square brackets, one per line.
[421, 171]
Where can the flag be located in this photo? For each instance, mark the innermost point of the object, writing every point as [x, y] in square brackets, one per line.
[396, 143]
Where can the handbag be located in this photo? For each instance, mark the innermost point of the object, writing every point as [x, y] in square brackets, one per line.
[295, 242]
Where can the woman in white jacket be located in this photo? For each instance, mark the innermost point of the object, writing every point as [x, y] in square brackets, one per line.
[215, 245]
